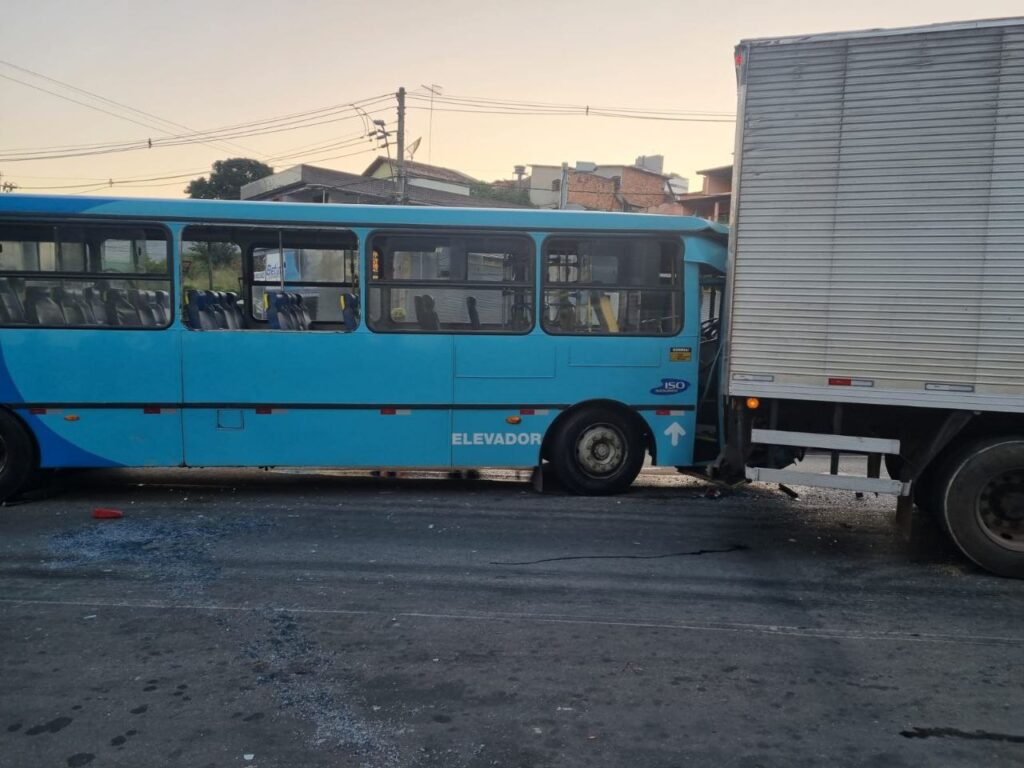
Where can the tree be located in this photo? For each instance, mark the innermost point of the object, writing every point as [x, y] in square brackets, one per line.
[504, 192]
[227, 179]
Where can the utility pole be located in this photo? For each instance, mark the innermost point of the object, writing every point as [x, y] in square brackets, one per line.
[401, 146]
[563, 187]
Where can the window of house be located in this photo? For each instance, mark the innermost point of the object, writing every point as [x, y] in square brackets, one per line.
[84, 275]
[450, 283]
[239, 277]
[613, 286]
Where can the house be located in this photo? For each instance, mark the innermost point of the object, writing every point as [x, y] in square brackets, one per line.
[642, 186]
[311, 184]
[712, 202]
[423, 175]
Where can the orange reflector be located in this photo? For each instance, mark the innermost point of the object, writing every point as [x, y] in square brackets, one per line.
[753, 403]
[71, 417]
[514, 419]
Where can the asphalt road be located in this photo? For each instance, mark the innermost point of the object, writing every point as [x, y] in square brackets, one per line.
[277, 619]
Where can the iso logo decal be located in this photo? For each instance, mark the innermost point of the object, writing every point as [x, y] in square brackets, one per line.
[671, 387]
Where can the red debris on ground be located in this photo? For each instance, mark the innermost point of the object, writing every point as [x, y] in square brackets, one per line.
[104, 513]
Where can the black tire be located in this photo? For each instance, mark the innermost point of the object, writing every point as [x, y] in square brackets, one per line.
[983, 504]
[597, 451]
[17, 457]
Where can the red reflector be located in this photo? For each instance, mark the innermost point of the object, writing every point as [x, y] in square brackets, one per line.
[526, 411]
[263, 410]
[37, 410]
[663, 413]
[104, 513]
[151, 409]
[840, 382]
[739, 59]
[388, 411]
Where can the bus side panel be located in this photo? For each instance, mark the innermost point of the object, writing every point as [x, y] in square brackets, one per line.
[674, 433]
[102, 391]
[107, 437]
[352, 399]
[318, 437]
[485, 438]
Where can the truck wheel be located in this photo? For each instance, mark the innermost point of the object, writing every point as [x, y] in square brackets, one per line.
[17, 457]
[983, 504]
[596, 452]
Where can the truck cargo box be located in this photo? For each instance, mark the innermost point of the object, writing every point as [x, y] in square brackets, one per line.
[877, 253]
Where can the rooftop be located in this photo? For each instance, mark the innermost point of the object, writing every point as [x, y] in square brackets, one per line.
[361, 188]
[423, 171]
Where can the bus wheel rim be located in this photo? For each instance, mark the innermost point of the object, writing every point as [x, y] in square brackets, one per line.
[601, 450]
[1000, 510]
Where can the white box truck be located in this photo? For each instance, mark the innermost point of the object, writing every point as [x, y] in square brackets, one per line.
[875, 295]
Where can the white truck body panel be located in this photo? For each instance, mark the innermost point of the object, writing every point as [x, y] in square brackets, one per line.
[877, 249]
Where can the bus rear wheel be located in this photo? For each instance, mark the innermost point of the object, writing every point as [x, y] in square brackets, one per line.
[983, 504]
[17, 457]
[597, 451]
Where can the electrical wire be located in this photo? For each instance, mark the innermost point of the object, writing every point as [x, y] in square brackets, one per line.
[128, 107]
[323, 116]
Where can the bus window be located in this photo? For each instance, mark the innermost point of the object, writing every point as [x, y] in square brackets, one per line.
[450, 283]
[84, 275]
[239, 277]
[612, 286]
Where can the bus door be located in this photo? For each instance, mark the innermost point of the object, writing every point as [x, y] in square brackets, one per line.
[89, 357]
[286, 371]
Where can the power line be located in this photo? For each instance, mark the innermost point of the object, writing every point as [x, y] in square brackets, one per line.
[570, 106]
[145, 182]
[116, 103]
[308, 119]
[475, 105]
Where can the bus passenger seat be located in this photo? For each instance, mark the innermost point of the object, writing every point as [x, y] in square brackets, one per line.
[206, 318]
[232, 306]
[302, 315]
[163, 303]
[141, 304]
[11, 308]
[426, 315]
[284, 318]
[474, 313]
[41, 309]
[350, 310]
[192, 309]
[120, 311]
[73, 306]
[95, 310]
[226, 312]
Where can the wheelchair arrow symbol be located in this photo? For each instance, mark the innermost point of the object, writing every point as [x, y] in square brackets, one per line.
[675, 431]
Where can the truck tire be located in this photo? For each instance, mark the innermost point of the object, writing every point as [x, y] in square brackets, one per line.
[597, 452]
[17, 456]
[983, 504]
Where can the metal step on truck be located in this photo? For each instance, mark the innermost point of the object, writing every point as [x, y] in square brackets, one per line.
[875, 290]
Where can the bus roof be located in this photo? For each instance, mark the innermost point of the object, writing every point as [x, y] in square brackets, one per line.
[266, 212]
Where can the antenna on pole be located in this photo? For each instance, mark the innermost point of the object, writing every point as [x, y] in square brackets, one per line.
[401, 145]
[434, 90]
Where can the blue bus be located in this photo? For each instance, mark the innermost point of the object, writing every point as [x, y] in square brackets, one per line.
[171, 333]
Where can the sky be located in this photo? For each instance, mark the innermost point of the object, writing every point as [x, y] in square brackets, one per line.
[216, 63]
